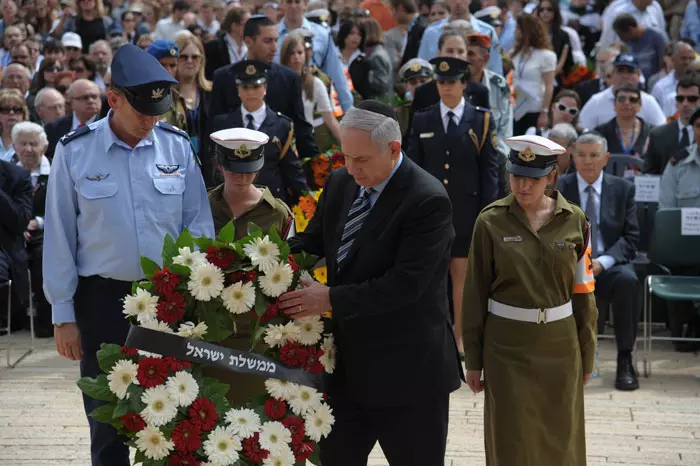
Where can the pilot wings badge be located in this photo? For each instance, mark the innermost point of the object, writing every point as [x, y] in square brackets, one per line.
[98, 177]
[157, 93]
[242, 152]
[167, 169]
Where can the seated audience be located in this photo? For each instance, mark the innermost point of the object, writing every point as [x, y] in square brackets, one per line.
[564, 109]
[85, 101]
[682, 56]
[626, 133]
[50, 105]
[13, 109]
[565, 135]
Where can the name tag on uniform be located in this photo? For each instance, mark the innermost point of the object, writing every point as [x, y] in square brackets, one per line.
[512, 239]
[426, 135]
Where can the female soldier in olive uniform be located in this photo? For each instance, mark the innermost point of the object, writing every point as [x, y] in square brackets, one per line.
[240, 156]
[530, 316]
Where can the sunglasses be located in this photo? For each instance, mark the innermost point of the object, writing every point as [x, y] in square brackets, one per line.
[55, 69]
[545, 9]
[11, 110]
[186, 58]
[573, 111]
[78, 70]
[623, 99]
[690, 98]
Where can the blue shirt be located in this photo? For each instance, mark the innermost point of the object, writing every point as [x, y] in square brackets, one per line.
[508, 33]
[324, 57]
[108, 204]
[429, 44]
[691, 23]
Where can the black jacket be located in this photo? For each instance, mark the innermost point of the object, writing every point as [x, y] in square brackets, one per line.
[15, 211]
[415, 35]
[216, 53]
[609, 132]
[55, 131]
[664, 143]
[587, 89]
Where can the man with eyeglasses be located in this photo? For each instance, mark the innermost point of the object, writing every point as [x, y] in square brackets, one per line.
[601, 107]
[17, 76]
[13, 36]
[50, 105]
[86, 102]
[664, 91]
[671, 139]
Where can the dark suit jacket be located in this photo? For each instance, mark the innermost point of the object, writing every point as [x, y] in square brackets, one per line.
[283, 95]
[284, 176]
[216, 53]
[664, 143]
[618, 214]
[415, 35]
[15, 212]
[390, 310]
[55, 131]
[586, 89]
[609, 132]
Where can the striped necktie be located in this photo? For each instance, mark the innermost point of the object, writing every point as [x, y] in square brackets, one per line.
[356, 216]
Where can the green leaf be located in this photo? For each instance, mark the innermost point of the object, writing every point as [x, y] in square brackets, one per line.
[212, 388]
[218, 322]
[108, 355]
[258, 333]
[123, 407]
[227, 233]
[185, 240]
[260, 304]
[140, 457]
[97, 388]
[281, 244]
[104, 413]
[149, 267]
[135, 403]
[305, 260]
[254, 230]
[169, 250]
[203, 243]
[181, 269]
[315, 457]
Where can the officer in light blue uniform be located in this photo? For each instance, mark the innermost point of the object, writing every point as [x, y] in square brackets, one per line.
[117, 187]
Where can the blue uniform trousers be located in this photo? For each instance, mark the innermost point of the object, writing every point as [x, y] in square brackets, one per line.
[98, 314]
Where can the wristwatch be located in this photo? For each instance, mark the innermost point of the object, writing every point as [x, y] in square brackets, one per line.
[59, 324]
[545, 111]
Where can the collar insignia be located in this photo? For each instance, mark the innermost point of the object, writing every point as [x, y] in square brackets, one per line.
[444, 66]
[250, 70]
[157, 94]
[98, 177]
[415, 67]
[527, 155]
[167, 169]
[242, 152]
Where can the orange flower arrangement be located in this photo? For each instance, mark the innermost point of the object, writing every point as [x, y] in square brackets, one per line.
[322, 165]
[577, 75]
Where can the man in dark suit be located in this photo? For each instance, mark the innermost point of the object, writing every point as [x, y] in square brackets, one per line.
[283, 84]
[385, 228]
[228, 43]
[608, 202]
[416, 27]
[15, 212]
[671, 139]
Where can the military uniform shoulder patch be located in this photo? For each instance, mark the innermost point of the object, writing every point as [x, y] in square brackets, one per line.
[282, 115]
[494, 139]
[498, 80]
[172, 129]
[73, 135]
[481, 109]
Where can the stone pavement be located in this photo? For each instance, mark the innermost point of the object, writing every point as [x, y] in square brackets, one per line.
[42, 421]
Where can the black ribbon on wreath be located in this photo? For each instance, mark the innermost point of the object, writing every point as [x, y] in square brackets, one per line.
[201, 352]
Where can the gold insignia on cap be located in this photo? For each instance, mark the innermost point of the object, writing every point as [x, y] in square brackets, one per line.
[250, 70]
[157, 93]
[444, 66]
[495, 14]
[527, 155]
[242, 152]
[415, 67]
[323, 18]
[172, 51]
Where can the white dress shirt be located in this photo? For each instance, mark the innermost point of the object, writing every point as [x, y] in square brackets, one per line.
[601, 108]
[76, 123]
[458, 112]
[258, 116]
[236, 52]
[605, 261]
[665, 93]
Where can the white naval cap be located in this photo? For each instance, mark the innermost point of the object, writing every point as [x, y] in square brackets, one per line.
[240, 150]
[532, 156]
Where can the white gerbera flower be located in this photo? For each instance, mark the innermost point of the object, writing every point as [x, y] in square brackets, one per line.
[276, 280]
[153, 443]
[328, 357]
[239, 298]
[155, 324]
[274, 436]
[190, 330]
[310, 329]
[243, 422]
[121, 376]
[206, 282]
[281, 389]
[284, 456]
[160, 408]
[278, 335]
[319, 423]
[263, 253]
[182, 388]
[141, 305]
[189, 258]
[305, 400]
[222, 446]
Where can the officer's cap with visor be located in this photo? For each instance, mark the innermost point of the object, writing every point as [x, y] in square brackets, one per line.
[532, 156]
[162, 48]
[449, 68]
[251, 72]
[306, 35]
[240, 150]
[490, 15]
[142, 80]
[415, 68]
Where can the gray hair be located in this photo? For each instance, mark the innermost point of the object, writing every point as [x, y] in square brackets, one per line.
[99, 42]
[382, 129]
[564, 131]
[593, 138]
[28, 127]
[77, 82]
[24, 69]
[39, 99]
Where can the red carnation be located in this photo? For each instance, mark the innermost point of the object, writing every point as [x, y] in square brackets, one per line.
[183, 459]
[243, 276]
[165, 281]
[221, 257]
[271, 312]
[172, 308]
[293, 264]
[187, 437]
[133, 422]
[203, 414]
[252, 449]
[313, 360]
[175, 365]
[151, 372]
[302, 451]
[296, 426]
[292, 354]
[275, 409]
[129, 351]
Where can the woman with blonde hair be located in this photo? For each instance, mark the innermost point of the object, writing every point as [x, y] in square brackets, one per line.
[90, 23]
[296, 52]
[13, 110]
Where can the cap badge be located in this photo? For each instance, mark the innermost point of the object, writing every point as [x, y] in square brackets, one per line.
[157, 93]
[527, 155]
[172, 51]
[250, 70]
[242, 152]
[415, 67]
[444, 66]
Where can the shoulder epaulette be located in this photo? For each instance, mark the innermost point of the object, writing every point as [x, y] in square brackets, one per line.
[172, 129]
[280, 114]
[73, 135]
[498, 80]
[481, 109]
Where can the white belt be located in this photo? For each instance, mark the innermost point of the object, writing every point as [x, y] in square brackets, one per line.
[537, 316]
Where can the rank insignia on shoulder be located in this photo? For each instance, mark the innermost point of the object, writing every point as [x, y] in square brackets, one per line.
[167, 169]
[512, 239]
[426, 135]
[98, 177]
[481, 109]
[75, 134]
